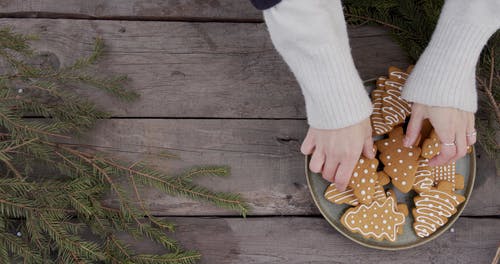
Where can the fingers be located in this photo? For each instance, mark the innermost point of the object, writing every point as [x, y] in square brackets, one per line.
[330, 168]
[344, 172]
[317, 161]
[368, 148]
[445, 155]
[471, 134]
[446, 134]
[413, 129]
[308, 144]
[461, 145]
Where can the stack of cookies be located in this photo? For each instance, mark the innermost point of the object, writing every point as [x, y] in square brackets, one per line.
[374, 211]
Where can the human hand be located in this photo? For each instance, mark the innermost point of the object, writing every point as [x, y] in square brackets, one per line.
[336, 152]
[454, 127]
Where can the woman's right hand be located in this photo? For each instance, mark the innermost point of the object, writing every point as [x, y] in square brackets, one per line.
[336, 152]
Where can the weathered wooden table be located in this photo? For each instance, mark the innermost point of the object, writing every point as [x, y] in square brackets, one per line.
[214, 91]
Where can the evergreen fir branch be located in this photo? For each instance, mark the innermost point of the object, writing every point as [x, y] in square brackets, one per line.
[19, 247]
[187, 257]
[50, 208]
[71, 245]
[16, 42]
[86, 61]
[376, 21]
[179, 186]
[162, 224]
[219, 171]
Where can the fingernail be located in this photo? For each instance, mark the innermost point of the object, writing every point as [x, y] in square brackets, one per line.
[406, 142]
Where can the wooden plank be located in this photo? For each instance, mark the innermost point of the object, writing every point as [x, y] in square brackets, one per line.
[228, 70]
[267, 166]
[300, 240]
[134, 9]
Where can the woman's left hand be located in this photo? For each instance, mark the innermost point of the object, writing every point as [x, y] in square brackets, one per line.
[454, 127]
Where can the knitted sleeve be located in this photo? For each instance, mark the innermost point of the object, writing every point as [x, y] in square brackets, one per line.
[445, 73]
[311, 36]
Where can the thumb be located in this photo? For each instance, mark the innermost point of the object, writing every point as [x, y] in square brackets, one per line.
[368, 150]
[413, 130]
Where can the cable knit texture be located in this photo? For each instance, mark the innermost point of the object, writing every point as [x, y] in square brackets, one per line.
[445, 73]
[312, 38]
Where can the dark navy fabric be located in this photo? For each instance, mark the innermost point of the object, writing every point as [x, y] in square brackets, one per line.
[264, 4]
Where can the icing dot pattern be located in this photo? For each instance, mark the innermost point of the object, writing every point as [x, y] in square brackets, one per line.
[448, 173]
[400, 162]
[431, 146]
[363, 184]
[386, 226]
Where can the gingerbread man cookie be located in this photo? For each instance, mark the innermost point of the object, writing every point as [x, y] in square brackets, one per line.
[434, 207]
[399, 207]
[378, 220]
[400, 162]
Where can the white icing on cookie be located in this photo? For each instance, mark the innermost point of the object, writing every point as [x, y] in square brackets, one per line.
[334, 195]
[433, 211]
[398, 75]
[388, 231]
[445, 173]
[423, 178]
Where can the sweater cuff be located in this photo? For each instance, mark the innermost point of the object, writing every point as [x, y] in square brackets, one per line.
[334, 93]
[445, 73]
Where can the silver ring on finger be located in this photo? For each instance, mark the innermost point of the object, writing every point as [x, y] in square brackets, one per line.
[472, 134]
[452, 144]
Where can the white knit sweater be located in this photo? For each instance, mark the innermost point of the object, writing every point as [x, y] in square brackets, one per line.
[311, 36]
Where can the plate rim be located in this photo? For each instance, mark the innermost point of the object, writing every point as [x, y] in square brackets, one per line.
[438, 233]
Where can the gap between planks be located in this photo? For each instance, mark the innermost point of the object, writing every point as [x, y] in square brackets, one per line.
[50, 15]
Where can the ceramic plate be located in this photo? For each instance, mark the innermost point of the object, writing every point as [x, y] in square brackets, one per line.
[333, 212]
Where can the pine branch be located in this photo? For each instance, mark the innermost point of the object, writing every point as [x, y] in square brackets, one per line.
[51, 206]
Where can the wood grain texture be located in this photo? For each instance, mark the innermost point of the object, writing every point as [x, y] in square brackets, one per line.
[298, 240]
[134, 9]
[267, 166]
[228, 70]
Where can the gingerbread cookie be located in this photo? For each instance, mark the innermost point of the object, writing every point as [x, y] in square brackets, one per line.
[400, 162]
[434, 207]
[383, 178]
[397, 74]
[398, 207]
[424, 179]
[378, 220]
[333, 195]
[379, 127]
[431, 146]
[363, 179]
[448, 173]
[394, 108]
